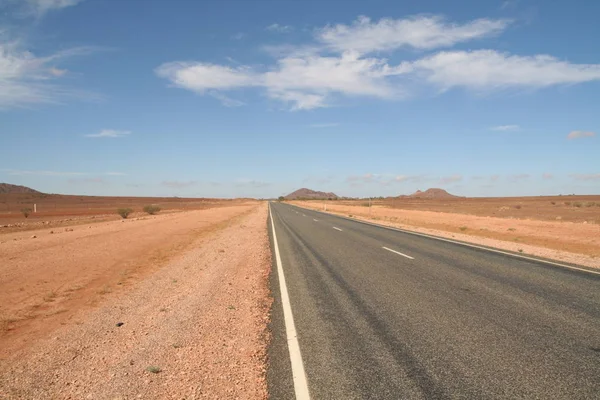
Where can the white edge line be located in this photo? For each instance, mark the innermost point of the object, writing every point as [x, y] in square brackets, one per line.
[391, 228]
[316, 220]
[299, 376]
[397, 252]
[335, 227]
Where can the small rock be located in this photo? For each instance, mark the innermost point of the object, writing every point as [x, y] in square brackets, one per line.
[33, 237]
[51, 232]
[120, 323]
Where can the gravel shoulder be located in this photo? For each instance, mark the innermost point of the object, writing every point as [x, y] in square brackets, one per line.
[194, 327]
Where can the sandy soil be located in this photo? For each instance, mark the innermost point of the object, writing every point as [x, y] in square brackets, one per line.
[189, 289]
[577, 243]
[545, 208]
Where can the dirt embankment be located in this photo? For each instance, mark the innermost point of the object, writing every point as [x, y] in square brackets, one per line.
[577, 243]
[172, 306]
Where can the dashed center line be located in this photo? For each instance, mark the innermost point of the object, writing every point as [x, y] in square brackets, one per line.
[397, 252]
[316, 220]
[335, 227]
[303, 215]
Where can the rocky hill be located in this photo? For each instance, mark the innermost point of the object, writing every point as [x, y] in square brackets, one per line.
[7, 188]
[305, 193]
[433, 193]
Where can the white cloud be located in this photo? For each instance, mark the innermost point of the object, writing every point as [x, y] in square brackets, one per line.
[239, 36]
[200, 77]
[489, 69]
[580, 134]
[586, 177]
[547, 176]
[279, 28]
[26, 79]
[304, 82]
[311, 76]
[422, 32]
[109, 133]
[506, 128]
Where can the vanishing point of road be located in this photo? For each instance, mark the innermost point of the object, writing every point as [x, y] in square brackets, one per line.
[366, 312]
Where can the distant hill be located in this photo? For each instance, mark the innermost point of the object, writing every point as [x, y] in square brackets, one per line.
[7, 188]
[310, 194]
[433, 193]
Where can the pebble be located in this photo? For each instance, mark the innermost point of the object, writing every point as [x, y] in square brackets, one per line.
[33, 237]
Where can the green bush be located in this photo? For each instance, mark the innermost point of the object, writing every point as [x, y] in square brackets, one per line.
[151, 209]
[124, 212]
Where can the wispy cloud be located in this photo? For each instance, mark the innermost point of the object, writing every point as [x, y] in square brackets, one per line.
[226, 100]
[486, 70]
[27, 79]
[411, 178]
[509, 4]
[38, 8]
[585, 177]
[505, 128]
[109, 133]
[450, 179]
[324, 125]
[251, 183]
[279, 28]
[580, 134]
[238, 36]
[421, 32]
[518, 177]
[547, 176]
[364, 178]
[178, 184]
[115, 174]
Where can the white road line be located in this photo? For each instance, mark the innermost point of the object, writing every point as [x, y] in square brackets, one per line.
[335, 227]
[316, 220]
[300, 382]
[397, 252]
[303, 215]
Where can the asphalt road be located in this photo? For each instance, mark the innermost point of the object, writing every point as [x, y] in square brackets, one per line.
[449, 322]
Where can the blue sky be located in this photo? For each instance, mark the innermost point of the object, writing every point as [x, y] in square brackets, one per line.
[259, 98]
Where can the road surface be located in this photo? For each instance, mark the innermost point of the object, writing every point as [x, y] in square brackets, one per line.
[382, 314]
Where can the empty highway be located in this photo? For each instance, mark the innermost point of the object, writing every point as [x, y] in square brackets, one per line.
[373, 313]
